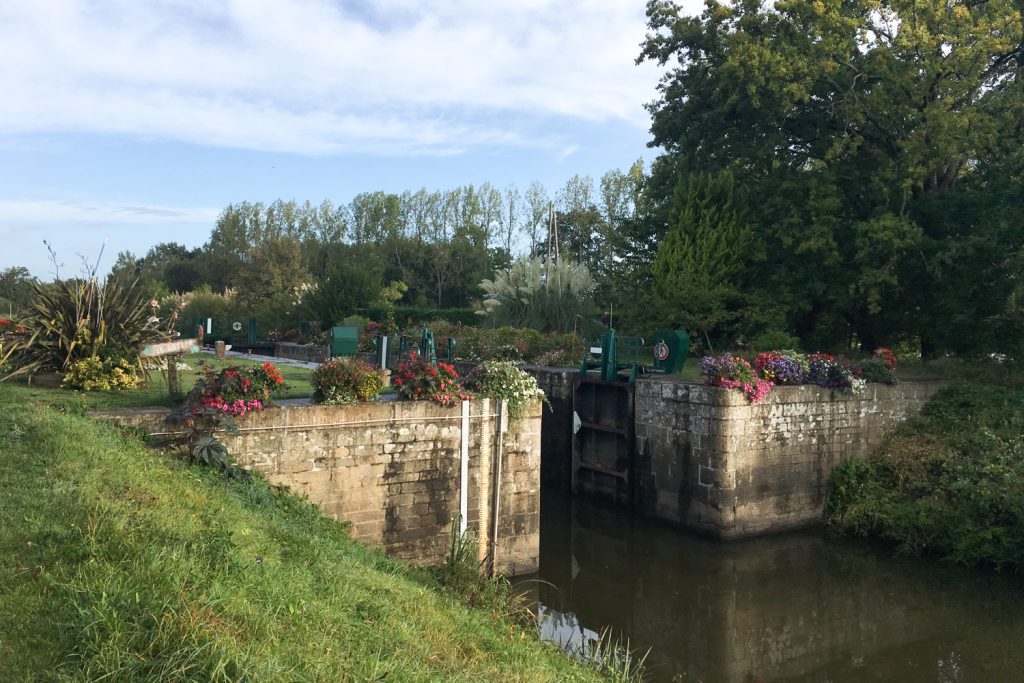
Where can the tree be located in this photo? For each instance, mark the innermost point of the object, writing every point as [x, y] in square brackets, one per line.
[698, 273]
[17, 287]
[272, 282]
[846, 120]
[354, 281]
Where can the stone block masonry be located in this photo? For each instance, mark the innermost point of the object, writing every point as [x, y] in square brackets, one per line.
[301, 352]
[709, 460]
[393, 471]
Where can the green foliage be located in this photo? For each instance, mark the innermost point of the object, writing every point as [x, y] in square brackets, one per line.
[775, 339]
[950, 483]
[614, 658]
[877, 145]
[72, 320]
[345, 380]
[502, 380]
[544, 296]
[97, 374]
[17, 288]
[700, 265]
[409, 316]
[878, 371]
[512, 344]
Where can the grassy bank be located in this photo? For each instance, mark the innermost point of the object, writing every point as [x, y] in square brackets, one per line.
[120, 563]
[950, 483]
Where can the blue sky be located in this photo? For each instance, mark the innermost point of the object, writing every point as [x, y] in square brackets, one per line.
[142, 120]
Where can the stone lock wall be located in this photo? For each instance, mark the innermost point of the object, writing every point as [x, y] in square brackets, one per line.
[392, 469]
[556, 435]
[709, 460]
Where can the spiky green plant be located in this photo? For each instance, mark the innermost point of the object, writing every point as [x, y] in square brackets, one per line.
[545, 296]
[75, 319]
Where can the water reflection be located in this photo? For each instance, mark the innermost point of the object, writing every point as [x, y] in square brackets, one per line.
[794, 608]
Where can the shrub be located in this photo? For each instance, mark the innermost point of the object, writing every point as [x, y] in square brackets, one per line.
[345, 380]
[96, 374]
[950, 482]
[775, 339]
[418, 380]
[72, 320]
[236, 390]
[880, 368]
[501, 380]
[732, 372]
[511, 343]
[11, 336]
[878, 371]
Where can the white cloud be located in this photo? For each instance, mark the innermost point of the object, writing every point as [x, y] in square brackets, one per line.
[315, 77]
[15, 212]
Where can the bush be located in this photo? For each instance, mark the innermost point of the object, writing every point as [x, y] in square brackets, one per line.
[501, 380]
[236, 390]
[345, 380]
[877, 371]
[775, 339]
[525, 345]
[950, 483]
[549, 296]
[72, 320]
[419, 380]
[407, 316]
[96, 374]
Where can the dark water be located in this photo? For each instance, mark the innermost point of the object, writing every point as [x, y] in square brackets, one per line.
[793, 607]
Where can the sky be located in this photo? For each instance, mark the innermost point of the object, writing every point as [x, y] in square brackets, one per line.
[132, 123]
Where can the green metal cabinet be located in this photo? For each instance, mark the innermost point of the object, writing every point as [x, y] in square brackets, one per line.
[344, 341]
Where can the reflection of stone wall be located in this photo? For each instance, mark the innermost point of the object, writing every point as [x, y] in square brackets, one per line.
[393, 469]
[708, 459]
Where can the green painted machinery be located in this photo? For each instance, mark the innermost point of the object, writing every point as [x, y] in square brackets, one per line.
[665, 353]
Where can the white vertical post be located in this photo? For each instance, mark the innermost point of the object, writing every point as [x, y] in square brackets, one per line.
[464, 472]
[384, 352]
[209, 326]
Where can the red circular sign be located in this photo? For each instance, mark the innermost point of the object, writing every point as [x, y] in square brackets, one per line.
[661, 350]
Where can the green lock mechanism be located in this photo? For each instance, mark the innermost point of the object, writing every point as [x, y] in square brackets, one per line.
[666, 354]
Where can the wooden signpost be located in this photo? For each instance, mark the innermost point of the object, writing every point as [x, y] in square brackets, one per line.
[172, 351]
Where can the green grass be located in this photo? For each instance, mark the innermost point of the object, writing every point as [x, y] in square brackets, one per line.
[121, 563]
[154, 391]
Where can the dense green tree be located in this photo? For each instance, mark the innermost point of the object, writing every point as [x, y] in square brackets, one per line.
[355, 278]
[17, 287]
[847, 120]
[699, 272]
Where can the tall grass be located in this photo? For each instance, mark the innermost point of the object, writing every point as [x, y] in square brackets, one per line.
[124, 564]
